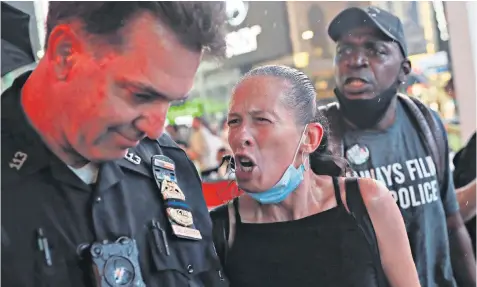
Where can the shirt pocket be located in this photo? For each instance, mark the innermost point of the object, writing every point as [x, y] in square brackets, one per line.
[188, 263]
[52, 275]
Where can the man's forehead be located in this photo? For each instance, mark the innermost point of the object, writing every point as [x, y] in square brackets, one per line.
[364, 33]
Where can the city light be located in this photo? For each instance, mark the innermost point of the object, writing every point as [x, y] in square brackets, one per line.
[307, 35]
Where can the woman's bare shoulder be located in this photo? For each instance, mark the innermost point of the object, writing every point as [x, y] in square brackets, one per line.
[372, 191]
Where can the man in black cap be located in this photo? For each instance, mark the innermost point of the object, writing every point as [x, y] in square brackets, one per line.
[93, 194]
[396, 139]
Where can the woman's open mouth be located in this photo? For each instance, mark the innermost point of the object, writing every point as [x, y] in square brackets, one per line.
[244, 163]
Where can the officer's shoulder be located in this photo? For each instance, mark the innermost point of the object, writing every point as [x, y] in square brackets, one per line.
[165, 141]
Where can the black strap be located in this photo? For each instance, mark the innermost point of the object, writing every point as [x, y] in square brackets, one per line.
[337, 191]
[221, 228]
[431, 134]
[238, 219]
[358, 210]
[220, 231]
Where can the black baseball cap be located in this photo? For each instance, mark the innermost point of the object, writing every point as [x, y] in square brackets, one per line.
[372, 16]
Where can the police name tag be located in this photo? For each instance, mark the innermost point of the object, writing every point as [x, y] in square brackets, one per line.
[178, 211]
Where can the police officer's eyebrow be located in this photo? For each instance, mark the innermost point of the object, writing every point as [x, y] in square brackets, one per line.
[141, 88]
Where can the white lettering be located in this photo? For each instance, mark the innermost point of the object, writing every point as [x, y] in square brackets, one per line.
[434, 190]
[379, 176]
[414, 201]
[418, 167]
[423, 167]
[387, 173]
[411, 169]
[18, 160]
[404, 200]
[431, 165]
[132, 158]
[399, 175]
[421, 193]
[427, 189]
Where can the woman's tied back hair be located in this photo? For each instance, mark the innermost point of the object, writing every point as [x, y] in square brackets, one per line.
[199, 26]
[302, 99]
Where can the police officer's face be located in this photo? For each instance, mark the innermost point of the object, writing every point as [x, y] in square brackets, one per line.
[263, 134]
[367, 63]
[109, 99]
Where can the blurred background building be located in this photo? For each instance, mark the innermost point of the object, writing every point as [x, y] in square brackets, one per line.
[441, 37]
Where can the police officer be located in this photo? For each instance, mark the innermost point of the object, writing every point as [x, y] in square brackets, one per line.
[92, 194]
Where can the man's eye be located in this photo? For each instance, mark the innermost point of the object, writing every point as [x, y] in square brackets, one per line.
[344, 50]
[143, 97]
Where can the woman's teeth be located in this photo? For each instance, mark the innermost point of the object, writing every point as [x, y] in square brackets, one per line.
[246, 165]
[246, 168]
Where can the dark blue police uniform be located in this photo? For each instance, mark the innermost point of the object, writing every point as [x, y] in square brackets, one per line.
[39, 192]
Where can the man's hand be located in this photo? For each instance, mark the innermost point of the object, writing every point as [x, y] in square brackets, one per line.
[466, 196]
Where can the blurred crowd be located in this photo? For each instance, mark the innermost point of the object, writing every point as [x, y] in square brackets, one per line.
[205, 145]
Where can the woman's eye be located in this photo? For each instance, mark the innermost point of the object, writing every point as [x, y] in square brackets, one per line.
[231, 122]
[263, 119]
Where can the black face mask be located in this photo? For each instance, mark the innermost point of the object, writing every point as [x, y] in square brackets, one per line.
[366, 113]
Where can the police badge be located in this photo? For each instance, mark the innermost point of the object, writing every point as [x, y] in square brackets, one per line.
[178, 211]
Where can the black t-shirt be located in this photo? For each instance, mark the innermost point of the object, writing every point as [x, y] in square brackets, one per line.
[464, 173]
[40, 191]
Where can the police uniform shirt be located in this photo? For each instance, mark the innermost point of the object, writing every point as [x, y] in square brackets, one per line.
[41, 192]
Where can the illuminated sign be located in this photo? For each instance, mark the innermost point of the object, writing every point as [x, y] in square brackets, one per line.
[236, 11]
[258, 32]
[242, 41]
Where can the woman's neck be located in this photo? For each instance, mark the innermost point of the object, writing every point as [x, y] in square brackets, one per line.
[304, 201]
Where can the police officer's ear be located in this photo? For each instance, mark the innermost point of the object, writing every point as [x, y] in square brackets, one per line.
[62, 50]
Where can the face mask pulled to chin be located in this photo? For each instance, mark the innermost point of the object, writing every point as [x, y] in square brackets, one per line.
[366, 113]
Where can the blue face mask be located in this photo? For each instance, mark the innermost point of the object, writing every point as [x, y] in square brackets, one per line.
[289, 181]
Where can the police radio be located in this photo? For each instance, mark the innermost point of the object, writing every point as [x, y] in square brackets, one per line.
[114, 264]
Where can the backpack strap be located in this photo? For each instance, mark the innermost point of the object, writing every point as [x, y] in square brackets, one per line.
[358, 210]
[220, 231]
[430, 131]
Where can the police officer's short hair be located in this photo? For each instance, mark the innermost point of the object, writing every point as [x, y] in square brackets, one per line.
[199, 26]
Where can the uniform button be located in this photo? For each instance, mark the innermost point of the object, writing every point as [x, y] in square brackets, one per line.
[190, 269]
[98, 199]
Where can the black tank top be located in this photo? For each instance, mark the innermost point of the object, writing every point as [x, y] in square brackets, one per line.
[327, 249]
